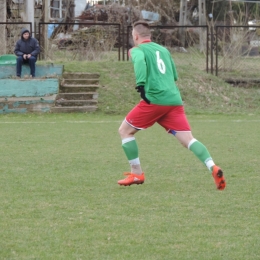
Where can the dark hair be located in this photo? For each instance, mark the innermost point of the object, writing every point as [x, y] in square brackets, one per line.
[142, 28]
[144, 23]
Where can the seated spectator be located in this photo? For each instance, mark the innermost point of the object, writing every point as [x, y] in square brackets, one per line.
[26, 50]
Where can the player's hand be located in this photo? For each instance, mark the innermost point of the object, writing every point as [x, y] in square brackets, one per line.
[140, 89]
[29, 56]
[25, 56]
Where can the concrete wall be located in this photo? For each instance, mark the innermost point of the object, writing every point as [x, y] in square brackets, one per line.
[28, 87]
[26, 94]
[28, 104]
[9, 71]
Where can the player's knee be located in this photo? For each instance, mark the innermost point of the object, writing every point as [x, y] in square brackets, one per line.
[121, 131]
[183, 143]
[184, 138]
[125, 132]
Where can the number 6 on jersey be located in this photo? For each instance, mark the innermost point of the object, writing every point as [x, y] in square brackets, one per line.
[160, 63]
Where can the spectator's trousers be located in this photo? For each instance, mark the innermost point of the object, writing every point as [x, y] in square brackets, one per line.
[20, 61]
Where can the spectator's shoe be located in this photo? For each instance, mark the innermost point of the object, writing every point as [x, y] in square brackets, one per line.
[132, 179]
[218, 176]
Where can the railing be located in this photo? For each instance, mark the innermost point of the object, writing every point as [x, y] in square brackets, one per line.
[237, 51]
[223, 50]
[186, 43]
[79, 41]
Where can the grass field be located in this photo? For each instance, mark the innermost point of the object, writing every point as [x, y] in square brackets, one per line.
[202, 93]
[60, 198]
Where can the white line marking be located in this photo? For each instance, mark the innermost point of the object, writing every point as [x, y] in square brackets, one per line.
[70, 122]
[94, 122]
[103, 122]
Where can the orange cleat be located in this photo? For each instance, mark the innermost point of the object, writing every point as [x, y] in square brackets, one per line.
[132, 179]
[218, 176]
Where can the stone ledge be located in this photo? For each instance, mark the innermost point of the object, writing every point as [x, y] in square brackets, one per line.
[26, 104]
[9, 71]
[28, 88]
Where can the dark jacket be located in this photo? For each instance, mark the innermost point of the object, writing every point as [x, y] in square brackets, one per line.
[30, 46]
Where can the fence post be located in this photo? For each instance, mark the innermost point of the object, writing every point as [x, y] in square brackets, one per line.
[123, 42]
[119, 47]
[216, 50]
[183, 21]
[211, 48]
[2, 27]
[127, 41]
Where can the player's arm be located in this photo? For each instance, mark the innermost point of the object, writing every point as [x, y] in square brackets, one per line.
[140, 69]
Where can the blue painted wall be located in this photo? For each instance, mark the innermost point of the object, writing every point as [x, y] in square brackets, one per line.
[29, 95]
[16, 105]
[9, 71]
[28, 87]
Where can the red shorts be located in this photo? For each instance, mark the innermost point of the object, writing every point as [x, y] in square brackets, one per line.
[172, 118]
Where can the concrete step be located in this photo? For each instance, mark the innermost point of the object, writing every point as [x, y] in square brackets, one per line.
[66, 88]
[79, 109]
[73, 103]
[80, 81]
[77, 96]
[80, 75]
[26, 104]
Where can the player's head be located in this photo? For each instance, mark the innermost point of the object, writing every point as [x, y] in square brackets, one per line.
[141, 31]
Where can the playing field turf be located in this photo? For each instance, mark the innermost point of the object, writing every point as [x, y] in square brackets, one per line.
[59, 197]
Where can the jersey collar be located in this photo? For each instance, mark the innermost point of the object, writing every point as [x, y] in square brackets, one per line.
[145, 41]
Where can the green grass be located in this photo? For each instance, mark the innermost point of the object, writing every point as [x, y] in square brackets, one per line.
[202, 93]
[60, 199]
[58, 190]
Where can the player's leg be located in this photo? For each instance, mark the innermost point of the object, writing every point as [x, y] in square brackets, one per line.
[176, 123]
[140, 117]
[202, 153]
[130, 147]
[199, 149]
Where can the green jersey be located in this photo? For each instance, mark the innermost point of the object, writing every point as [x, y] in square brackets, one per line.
[155, 70]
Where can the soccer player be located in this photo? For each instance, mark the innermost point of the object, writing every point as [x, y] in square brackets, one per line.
[155, 74]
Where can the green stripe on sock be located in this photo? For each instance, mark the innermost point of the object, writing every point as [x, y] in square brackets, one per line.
[131, 150]
[200, 151]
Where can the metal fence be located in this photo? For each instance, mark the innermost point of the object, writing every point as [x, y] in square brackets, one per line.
[79, 41]
[188, 44]
[226, 51]
[10, 33]
[237, 51]
[96, 41]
